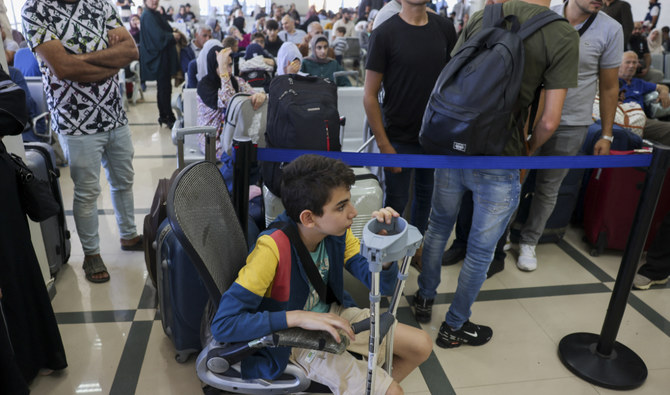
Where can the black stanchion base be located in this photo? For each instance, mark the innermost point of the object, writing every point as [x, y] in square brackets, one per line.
[623, 370]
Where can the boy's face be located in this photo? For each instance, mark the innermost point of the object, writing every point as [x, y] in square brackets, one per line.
[272, 34]
[338, 213]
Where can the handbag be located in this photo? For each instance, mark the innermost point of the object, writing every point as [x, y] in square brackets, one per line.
[37, 197]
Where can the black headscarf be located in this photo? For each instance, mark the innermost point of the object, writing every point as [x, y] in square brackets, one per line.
[239, 24]
[209, 85]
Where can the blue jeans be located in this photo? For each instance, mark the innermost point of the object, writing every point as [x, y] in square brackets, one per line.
[85, 153]
[398, 184]
[495, 194]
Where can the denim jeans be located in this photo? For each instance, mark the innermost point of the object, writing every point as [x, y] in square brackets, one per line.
[398, 184]
[495, 194]
[85, 152]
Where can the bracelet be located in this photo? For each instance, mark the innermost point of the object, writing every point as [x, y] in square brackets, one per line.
[608, 138]
[224, 75]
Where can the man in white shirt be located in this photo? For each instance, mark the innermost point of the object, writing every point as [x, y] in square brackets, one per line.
[290, 33]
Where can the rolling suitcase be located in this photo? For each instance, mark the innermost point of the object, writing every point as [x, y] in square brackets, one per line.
[181, 294]
[610, 203]
[41, 159]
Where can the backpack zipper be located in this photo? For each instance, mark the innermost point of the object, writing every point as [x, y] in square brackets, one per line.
[327, 136]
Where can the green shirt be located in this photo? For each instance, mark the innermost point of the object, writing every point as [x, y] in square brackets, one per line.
[320, 258]
[551, 58]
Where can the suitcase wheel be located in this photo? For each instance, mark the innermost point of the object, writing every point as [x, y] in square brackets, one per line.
[182, 357]
[601, 243]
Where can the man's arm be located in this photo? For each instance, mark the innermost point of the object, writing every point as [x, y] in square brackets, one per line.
[609, 97]
[120, 52]
[550, 119]
[373, 84]
[663, 96]
[69, 67]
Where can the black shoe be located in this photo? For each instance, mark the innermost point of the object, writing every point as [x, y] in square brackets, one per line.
[423, 308]
[169, 122]
[453, 255]
[496, 267]
[472, 334]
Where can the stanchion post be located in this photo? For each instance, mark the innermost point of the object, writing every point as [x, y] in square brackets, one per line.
[600, 359]
[243, 156]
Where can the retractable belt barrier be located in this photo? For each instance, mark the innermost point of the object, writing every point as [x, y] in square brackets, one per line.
[463, 162]
[598, 359]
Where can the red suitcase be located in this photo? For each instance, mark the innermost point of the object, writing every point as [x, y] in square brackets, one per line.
[610, 204]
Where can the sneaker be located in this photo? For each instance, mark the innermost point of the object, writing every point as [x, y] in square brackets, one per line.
[423, 308]
[644, 282]
[508, 244]
[527, 259]
[453, 255]
[472, 334]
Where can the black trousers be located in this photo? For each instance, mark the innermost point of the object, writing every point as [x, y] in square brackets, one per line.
[658, 256]
[164, 97]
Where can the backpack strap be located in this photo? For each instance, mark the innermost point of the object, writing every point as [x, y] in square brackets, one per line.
[325, 293]
[537, 22]
[492, 14]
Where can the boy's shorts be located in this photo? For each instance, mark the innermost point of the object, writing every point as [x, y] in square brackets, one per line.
[344, 374]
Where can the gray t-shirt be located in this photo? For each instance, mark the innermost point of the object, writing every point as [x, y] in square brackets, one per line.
[391, 8]
[599, 48]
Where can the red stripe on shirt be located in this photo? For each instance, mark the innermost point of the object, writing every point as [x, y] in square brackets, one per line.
[281, 286]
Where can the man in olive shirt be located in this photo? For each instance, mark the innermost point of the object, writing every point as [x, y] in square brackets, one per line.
[551, 59]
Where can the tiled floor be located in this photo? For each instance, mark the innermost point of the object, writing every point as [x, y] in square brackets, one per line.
[116, 345]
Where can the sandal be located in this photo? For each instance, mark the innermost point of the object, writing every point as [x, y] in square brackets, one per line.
[93, 264]
[138, 245]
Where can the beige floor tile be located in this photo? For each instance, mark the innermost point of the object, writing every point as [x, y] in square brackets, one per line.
[609, 261]
[93, 354]
[161, 373]
[414, 383]
[657, 299]
[572, 386]
[121, 292]
[512, 354]
[145, 315]
[561, 316]
[657, 383]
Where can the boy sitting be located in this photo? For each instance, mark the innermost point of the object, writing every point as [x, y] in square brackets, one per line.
[272, 292]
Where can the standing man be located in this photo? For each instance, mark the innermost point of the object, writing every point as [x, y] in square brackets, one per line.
[653, 13]
[551, 58]
[462, 10]
[599, 60]
[406, 55]
[620, 11]
[81, 45]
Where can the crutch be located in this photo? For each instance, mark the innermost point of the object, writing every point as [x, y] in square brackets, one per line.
[400, 242]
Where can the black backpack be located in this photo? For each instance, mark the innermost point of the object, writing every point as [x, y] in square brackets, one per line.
[302, 114]
[475, 96]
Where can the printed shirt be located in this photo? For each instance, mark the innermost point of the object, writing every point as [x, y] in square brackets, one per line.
[82, 27]
[320, 258]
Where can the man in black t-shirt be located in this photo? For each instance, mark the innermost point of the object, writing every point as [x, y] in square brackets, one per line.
[638, 44]
[272, 40]
[406, 55]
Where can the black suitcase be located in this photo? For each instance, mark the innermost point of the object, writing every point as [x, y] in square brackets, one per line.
[41, 159]
[181, 294]
[302, 114]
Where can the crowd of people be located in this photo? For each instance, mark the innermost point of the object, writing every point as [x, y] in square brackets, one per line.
[407, 45]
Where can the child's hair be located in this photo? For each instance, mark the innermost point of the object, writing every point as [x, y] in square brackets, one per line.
[229, 42]
[271, 24]
[308, 181]
[341, 29]
[258, 35]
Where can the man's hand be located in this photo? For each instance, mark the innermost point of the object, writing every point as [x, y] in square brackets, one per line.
[602, 147]
[663, 95]
[319, 322]
[388, 149]
[113, 39]
[257, 100]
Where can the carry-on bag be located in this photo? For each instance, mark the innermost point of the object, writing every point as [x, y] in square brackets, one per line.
[41, 159]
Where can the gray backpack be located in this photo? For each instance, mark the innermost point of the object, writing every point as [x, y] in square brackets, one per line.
[476, 93]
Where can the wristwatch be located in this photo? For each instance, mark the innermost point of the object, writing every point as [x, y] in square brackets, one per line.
[608, 138]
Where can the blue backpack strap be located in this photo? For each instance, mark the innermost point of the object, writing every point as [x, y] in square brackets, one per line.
[538, 21]
[492, 14]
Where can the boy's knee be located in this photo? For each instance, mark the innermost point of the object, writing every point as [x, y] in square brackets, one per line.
[424, 346]
[395, 389]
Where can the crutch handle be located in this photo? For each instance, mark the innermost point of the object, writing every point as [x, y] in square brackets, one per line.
[385, 322]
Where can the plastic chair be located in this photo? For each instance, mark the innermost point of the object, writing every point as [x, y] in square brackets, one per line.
[205, 223]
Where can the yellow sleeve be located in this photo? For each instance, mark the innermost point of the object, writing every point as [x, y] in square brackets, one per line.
[258, 274]
[352, 246]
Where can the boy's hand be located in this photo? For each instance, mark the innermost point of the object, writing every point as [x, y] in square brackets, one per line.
[386, 215]
[319, 322]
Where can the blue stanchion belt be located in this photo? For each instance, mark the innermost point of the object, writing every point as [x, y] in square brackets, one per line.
[464, 162]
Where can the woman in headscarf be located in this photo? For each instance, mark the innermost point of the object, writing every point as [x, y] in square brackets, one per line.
[319, 64]
[288, 59]
[135, 28]
[216, 89]
[201, 60]
[237, 30]
[655, 42]
[158, 58]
